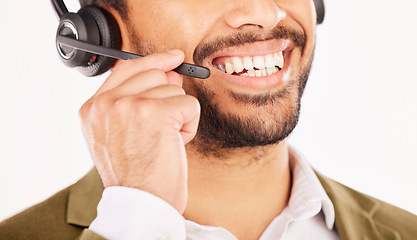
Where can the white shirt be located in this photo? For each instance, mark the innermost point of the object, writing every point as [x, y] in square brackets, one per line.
[127, 213]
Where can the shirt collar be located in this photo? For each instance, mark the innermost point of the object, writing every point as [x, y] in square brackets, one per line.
[307, 199]
[307, 190]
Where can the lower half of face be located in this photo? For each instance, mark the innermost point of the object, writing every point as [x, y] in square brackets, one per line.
[252, 97]
[233, 116]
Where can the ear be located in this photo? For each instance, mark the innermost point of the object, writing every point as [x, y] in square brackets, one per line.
[125, 41]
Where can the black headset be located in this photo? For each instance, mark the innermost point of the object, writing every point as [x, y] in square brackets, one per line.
[91, 25]
[90, 40]
[320, 10]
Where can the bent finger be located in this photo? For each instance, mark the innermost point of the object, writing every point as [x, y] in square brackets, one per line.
[189, 108]
[140, 83]
[165, 91]
[164, 61]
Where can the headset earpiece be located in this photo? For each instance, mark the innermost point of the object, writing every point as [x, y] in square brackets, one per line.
[320, 10]
[81, 28]
[109, 34]
[93, 25]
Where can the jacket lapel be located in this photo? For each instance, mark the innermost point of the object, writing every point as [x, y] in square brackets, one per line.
[83, 199]
[354, 213]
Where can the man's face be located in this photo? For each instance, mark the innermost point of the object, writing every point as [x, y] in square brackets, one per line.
[259, 54]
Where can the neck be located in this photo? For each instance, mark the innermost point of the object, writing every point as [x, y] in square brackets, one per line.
[242, 193]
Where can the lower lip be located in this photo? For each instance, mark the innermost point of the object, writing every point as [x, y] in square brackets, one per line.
[259, 83]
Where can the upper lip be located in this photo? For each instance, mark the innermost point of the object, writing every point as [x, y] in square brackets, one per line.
[254, 49]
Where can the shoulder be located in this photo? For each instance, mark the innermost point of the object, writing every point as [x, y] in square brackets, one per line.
[359, 211]
[63, 216]
[46, 220]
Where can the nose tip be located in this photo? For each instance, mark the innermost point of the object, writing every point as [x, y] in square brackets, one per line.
[262, 14]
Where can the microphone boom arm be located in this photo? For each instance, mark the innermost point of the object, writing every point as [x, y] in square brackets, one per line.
[184, 69]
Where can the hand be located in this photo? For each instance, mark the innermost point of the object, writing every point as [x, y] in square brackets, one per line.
[137, 125]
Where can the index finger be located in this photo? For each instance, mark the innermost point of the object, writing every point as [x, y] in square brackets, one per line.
[166, 61]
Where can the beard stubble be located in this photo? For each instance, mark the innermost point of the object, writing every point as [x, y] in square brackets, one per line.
[275, 114]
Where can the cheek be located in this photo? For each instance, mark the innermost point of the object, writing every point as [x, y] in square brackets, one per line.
[309, 26]
[301, 14]
[168, 24]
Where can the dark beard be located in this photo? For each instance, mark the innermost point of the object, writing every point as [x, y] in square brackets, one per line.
[219, 132]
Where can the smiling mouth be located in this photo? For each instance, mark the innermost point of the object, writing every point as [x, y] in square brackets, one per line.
[252, 66]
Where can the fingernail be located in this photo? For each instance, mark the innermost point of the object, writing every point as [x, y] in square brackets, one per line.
[176, 52]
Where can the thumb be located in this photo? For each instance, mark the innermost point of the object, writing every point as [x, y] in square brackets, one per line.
[174, 78]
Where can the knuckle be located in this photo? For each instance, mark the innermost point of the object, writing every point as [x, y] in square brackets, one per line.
[123, 104]
[85, 108]
[147, 108]
[192, 100]
[124, 65]
[195, 104]
[174, 90]
[180, 90]
[102, 102]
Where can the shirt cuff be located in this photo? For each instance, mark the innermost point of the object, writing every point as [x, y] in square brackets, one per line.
[129, 213]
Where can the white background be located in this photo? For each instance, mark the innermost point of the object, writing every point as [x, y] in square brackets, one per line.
[358, 121]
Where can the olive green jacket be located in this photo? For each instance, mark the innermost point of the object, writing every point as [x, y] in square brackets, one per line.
[67, 215]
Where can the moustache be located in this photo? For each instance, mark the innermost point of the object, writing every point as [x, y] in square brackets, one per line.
[204, 50]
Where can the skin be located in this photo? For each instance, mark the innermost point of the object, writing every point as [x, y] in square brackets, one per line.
[141, 125]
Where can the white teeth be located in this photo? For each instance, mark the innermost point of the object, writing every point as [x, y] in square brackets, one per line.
[266, 65]
[247, 63]
[258, 62]
[269, 61]
[251, 72]
[271, 70]
[229, 68]
[237, 64]
[279, 59]
[244, 74]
